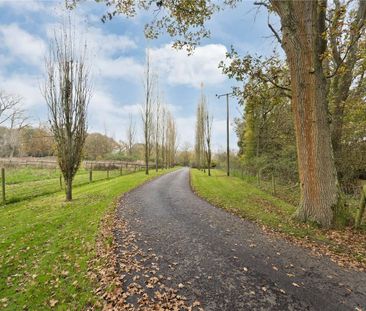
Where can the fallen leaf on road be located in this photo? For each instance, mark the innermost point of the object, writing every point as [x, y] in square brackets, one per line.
[295, 284]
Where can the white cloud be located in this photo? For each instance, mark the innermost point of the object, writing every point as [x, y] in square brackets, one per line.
[107, 114]
[179, 68]
[107, 51]
[25, 85]
[107, 43]
[122, 67]
[109, 59]
[21, 44]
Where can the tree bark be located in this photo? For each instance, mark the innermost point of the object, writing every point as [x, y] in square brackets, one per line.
[303, 23]
[209, 162]
[68, 188]
[146, 158]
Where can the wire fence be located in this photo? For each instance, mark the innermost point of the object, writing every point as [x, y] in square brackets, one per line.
[289, 191]
[269, 182]
[22, 180]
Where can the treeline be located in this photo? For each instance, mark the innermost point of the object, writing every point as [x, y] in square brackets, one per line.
[39, 142]
[158, 123]
[27, 141]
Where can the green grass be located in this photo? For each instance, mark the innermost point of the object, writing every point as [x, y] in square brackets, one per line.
[27, 174]
[26, 183]
[46, 243]
[245, 199]
[291, 195]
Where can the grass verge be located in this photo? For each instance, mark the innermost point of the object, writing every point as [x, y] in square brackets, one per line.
[46, 244]
[25, 184]
[346, 247]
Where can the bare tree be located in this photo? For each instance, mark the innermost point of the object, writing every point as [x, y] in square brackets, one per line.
[157, 130]
[171, 140]
[12, 115]
[147, 112]
[10, 105]
[200, 131]
[131, 134]
[208, 134]
[163, 137]
[18, 121]
[67, 92]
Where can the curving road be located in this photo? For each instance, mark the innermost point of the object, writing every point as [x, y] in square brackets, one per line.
[228, 263]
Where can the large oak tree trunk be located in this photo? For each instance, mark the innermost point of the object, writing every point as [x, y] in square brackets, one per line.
[302, 27]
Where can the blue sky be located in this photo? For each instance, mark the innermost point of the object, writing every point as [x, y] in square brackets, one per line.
[117, 54]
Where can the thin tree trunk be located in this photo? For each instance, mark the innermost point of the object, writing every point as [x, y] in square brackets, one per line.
[146, 159]
[303, 23]
[68, 188]
[209, 163]
[157, 157]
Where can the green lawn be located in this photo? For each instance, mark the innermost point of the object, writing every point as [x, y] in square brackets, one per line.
[244, 198]
[45, 245]
[27, 183]
[26, 174]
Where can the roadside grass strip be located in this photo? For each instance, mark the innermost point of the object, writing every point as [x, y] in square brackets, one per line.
[46, 244]
[345, 246]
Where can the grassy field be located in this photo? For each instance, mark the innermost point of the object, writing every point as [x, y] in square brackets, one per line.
[46, 243]
[245, 199]
[26, 183]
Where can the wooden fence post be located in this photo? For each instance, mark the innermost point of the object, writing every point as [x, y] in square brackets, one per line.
[361, 209]
[91, 175]
[3, 183]
[273, 185]
[61, 181]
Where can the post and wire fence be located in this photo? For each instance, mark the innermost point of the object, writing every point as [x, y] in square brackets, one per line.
[283, 184]
[25, 179]
[267, 179]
